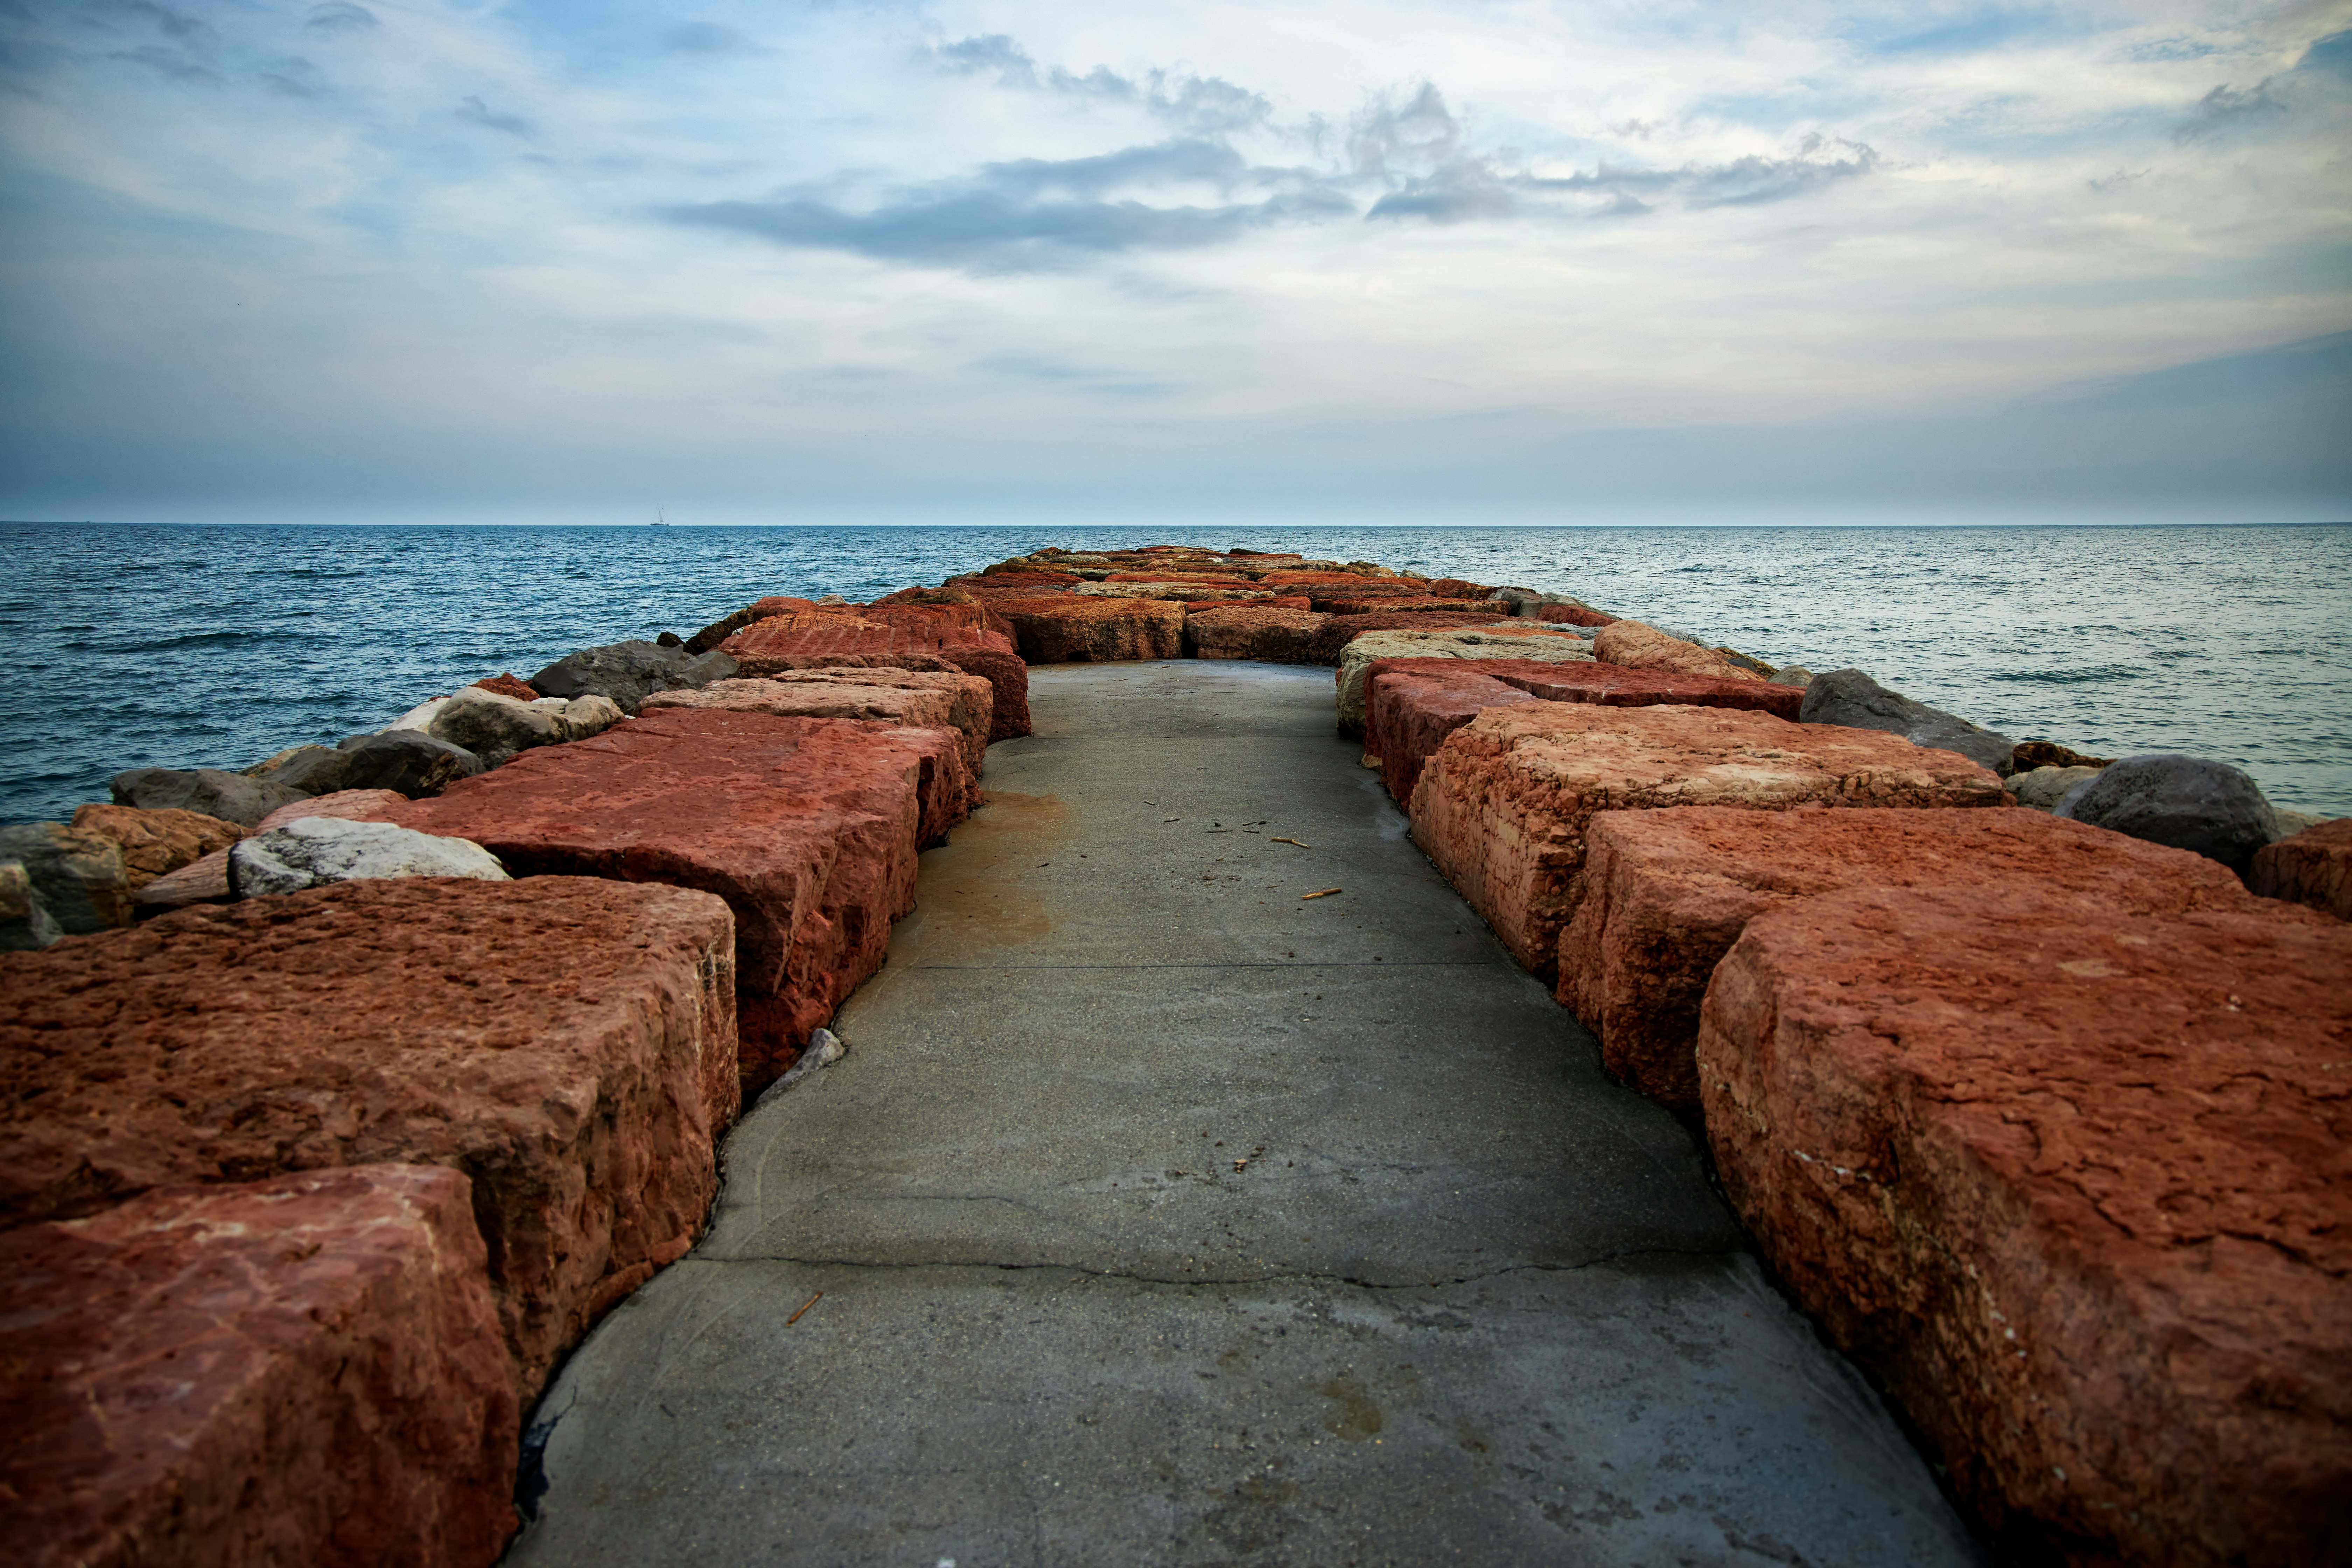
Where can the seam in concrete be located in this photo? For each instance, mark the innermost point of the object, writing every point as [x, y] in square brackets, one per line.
[1128, 1276]
[1053, 968]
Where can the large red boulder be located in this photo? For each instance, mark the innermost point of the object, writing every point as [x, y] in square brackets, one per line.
[1643, 647]
[1667, 893]
[2314, 868]
[301, 1370]
[1409, 713]
[807, 827]
[1616, 686]
[773, 645]
[1350, 602]
[159, 840]
[1074, 630]
[1503, 805]
[1573, 616]
[568, 1044]
[936, 699]
[1275, 634]
[2074, 1186]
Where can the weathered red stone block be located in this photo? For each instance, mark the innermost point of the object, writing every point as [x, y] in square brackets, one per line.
[1503, 805]
[568, 1044]
[936, 699]
[770, 646]
[156, 841]
[1572, 616]
[2314, 868]
[510, 684]
[1643, 647]
[301, 1370]
[1409, 713]
[1337, 631]
[2074, 1186]
[1667, 893]
[1075, 630]
[1358, 603]
[1276, 633]
[807, 827]
[1615, 686]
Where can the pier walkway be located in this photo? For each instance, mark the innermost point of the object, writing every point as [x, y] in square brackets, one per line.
[1159, 1216]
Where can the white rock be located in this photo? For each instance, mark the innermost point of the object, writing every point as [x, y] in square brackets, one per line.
[590, 715]
[420, 717]
[316, 850]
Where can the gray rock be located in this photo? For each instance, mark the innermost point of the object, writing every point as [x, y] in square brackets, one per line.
[586, 716]
[78, 877]
[628, 672]
[1791, 675]
[316, 850]
[1850, 697]
[2188, 802]
[231, 796]
[2043, 788]
[314, 770]
[498, 729]
[25, 922]
[408, 760]
[2291, 823]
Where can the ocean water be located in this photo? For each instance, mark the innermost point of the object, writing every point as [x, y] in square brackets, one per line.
[214, 647]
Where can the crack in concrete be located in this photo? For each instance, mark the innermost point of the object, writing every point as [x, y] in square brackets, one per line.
[1290, 1277]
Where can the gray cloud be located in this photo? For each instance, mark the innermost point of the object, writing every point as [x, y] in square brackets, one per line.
[1743, 182]
[342, 17]
[708, 38]
[178, 25]
[1036, 213]
[167, 62]
[2225, 105]
[474, 111]
[1205, 106]
[1054, 372]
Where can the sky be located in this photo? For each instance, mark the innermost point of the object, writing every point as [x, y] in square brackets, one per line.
[1386, 261]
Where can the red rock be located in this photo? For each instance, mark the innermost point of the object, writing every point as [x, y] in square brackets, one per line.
[1572, 616]
[1459, 588]
[1072, 630]
[1398, 604]
[964, 705]
[1001, 576]
[302, 1370]
[780, 605]
[1612, 685]
[1409, 713]
[569, 1044]
[508, 685]
[1667, 893]
[1201, 579]
[1641, 646]
[2313, 866]
[807, 827]
[770, 646]
[157, 840]
[1503, 805]
[1276, 633]
[345, 804]
[204, 880]
[1287, 602]
[1337, 631]
[2075, 1188]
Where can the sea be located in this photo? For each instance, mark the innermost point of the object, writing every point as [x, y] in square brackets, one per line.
[186, 646]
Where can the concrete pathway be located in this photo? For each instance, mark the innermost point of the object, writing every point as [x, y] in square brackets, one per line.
[1157, 1215]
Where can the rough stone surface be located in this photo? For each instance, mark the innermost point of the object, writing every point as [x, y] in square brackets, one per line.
[627, 671]
[2030, 755]
[1409, 713]
[2041, 789]
[1667, 893]
[2314, 868]
[1795, 675]
[1178, 592]
[24, 925]
[768, 647]
[1338, 632]
[1612, 685]
[314, 851]
[2075, 1186]
[965, 704]
[1849, 697]
[2188, 802]
[1071, 630]
[807, 827]
[407, 761]
[508, 685]
[1503, 806]
[205, 879]
[1483, 642]
[77, 876]
[497, 728]
[302, 1370]
[1349, 602]
[1640, 645]
[1275, 634]
[207, 791]
[344, 805]
[567, 1043]
[156, 841]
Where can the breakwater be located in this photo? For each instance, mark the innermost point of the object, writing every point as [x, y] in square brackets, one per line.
[1519, 745]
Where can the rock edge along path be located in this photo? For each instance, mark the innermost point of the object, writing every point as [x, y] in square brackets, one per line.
[1157, 1215]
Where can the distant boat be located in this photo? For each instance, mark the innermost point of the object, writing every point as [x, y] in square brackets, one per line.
[659, 521]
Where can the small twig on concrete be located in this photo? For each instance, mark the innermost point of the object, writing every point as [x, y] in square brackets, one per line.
[1324, 894]
[1300, 842]
[812, 1301]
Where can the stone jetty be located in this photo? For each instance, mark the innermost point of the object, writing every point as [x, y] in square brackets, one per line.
[1389, 1069]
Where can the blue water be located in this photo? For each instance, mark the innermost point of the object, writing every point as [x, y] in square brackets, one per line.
[186, 646]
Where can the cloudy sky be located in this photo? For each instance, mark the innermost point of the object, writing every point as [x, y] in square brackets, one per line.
[1381, 261]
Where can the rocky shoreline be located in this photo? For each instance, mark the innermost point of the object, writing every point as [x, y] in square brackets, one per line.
[347, 1091]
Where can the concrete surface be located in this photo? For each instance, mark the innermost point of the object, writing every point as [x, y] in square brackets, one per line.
[1159, 1217]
